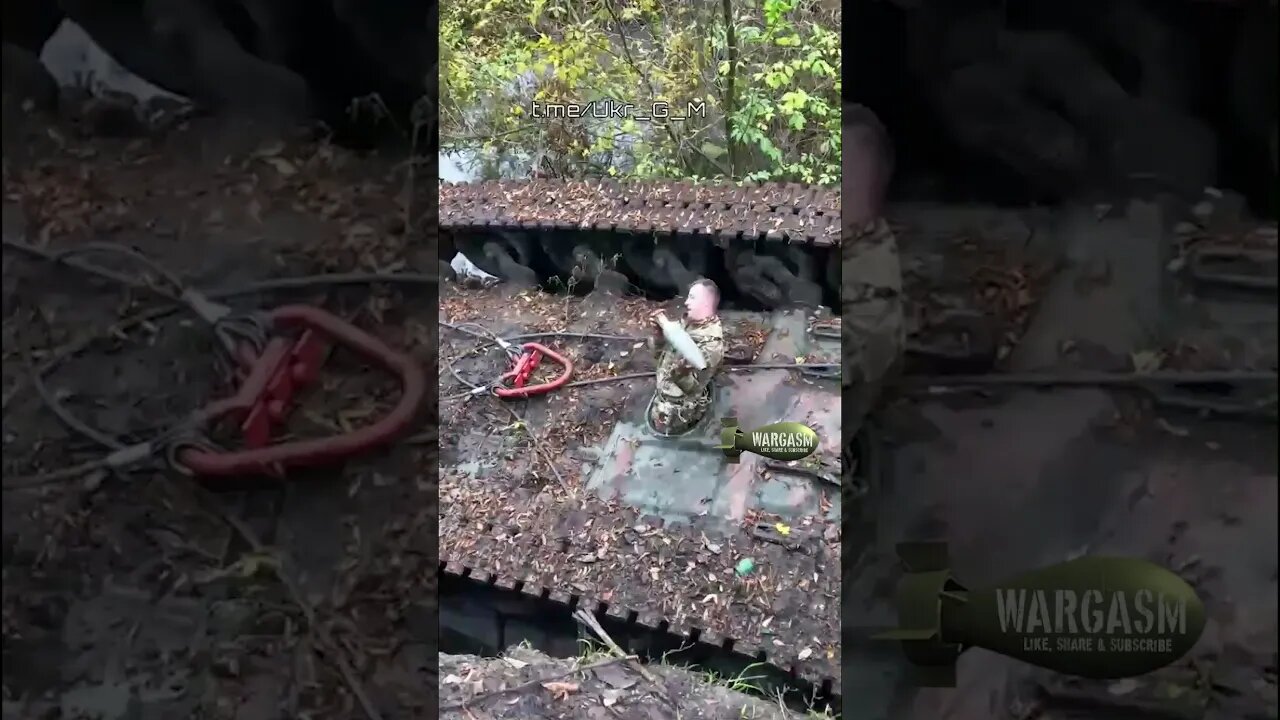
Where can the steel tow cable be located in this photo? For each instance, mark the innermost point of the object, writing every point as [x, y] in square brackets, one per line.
[201, 303]
[493, 338]
[217, 316]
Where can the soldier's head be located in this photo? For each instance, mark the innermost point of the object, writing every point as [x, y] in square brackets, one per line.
[866, 164]
[703, 300]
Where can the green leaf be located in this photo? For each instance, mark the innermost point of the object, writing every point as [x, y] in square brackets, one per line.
[770, 150]
[794, 100]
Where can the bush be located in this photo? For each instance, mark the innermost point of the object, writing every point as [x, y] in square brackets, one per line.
[764, 88]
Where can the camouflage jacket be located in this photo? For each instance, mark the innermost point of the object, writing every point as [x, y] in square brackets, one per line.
[872, 319]
[676, 377]
[873, 325]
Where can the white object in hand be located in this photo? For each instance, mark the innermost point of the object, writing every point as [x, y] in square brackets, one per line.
[682, 342]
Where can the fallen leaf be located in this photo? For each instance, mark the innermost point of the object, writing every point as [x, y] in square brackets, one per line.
[804, 654]
[1146, 361]
[560, 690]
[282, 166]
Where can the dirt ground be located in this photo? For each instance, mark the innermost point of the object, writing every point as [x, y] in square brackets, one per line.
[143, 595]
[473, 687]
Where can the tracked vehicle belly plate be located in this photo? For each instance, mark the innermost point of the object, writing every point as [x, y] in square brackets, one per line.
[653, 531]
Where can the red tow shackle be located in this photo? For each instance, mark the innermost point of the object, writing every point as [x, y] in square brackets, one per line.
[271, 380]
[523, 369]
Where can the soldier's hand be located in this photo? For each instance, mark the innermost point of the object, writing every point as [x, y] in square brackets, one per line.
[657, 318]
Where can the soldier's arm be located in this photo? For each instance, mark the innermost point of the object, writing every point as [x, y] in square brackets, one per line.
[657, 342]
[691, 379]
[713, 351]
[658, 346]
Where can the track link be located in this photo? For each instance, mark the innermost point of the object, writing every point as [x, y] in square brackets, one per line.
[770, 245]
[646, 621]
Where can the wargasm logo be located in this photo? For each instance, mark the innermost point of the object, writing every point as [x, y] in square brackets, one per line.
[779, 441]
[1097, 617]
[1069, 620]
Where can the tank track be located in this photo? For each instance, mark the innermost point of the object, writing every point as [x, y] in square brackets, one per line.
[771, 245]
[823, 683]
[542, 566]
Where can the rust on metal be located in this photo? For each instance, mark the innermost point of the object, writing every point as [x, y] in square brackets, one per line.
[656, 529]
[771, 614]
[773, 244]
[783, 212]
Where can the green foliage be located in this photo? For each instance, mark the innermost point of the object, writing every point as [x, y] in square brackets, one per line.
[499, 56]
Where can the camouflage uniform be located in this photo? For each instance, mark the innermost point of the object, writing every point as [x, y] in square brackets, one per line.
[681, 397]
[872, 320]
[872, 323]
[873, 339]
[873, 333]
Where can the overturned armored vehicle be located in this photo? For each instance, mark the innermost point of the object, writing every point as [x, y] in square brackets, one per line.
[588, 484]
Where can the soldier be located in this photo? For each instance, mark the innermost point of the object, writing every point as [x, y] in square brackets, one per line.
[681, 397]
[873, 328]
[872, 322]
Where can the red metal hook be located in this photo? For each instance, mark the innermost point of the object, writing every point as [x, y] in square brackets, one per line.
[269, 383]
[519, 375]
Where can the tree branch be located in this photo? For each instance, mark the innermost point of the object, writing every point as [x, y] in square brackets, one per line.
[653, 93]
[729, 101]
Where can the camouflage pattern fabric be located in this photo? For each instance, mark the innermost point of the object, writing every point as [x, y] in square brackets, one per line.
[873, 331]
[872, 321]
[681, 397]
